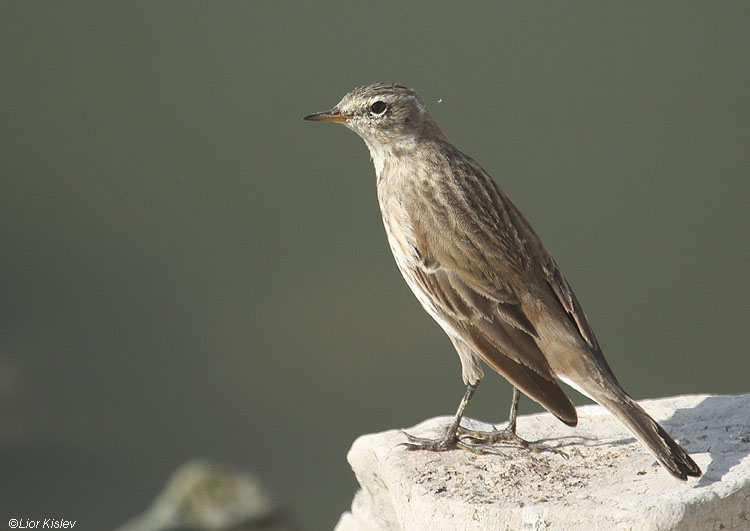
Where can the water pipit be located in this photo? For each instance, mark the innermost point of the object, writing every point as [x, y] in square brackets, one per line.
[478, 268]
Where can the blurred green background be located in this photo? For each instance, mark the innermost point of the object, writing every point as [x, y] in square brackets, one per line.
[188, 269]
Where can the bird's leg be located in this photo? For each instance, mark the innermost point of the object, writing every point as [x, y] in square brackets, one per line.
[513, 410]
[448, 440]
[489, 437]
[481, 442]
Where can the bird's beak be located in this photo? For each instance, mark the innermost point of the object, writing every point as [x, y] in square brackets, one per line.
[328, 116]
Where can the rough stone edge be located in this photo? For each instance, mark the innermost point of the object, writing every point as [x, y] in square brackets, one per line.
[733, 507]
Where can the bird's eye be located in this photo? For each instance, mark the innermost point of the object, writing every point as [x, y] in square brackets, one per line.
[378, 107]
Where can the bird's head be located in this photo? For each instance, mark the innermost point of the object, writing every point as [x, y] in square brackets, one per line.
[384, 115]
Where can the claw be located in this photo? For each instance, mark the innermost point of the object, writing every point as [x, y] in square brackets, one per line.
[482, 442]
[435, 445]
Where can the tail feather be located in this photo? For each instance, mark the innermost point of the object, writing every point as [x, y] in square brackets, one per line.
[670, 454]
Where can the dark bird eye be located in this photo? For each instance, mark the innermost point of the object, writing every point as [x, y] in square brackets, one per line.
[378, 107]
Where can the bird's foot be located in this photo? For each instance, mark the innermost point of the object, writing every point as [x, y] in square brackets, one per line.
[484, 442]
[446, 442]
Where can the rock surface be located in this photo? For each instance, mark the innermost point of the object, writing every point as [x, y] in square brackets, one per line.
[608, 481]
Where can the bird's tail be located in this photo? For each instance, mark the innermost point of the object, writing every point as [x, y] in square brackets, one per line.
[652, 435]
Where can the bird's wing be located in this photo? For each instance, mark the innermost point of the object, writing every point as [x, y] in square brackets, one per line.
[569, 302]
[500, 334]
[491, 244]
[475, 247]
[467, 266]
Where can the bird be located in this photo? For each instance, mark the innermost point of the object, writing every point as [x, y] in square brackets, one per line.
[479, 269]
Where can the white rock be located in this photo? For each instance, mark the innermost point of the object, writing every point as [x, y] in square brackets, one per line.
[609, 481]
[201, 496]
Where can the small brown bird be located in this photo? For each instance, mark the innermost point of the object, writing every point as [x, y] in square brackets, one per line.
[478, 268]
